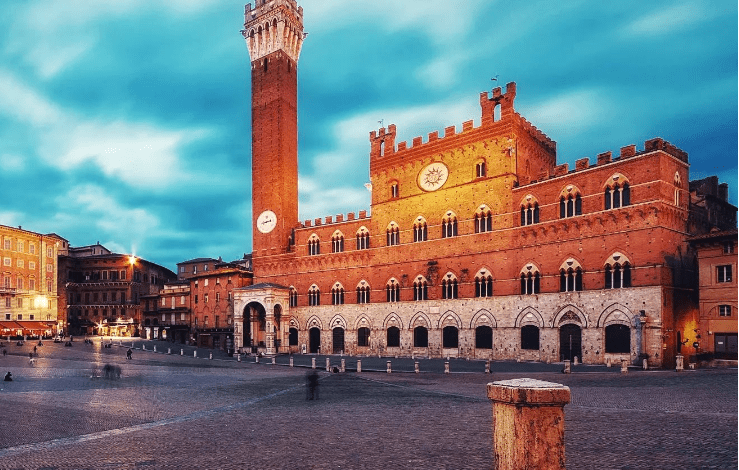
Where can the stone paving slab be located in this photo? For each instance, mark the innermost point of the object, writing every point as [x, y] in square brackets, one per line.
[171, 411]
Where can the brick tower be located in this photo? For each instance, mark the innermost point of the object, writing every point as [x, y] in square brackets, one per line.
[274, 35]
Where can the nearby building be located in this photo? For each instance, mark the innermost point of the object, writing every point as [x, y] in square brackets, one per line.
[102, 290]
[213, 305]
[167, 314]
[715, 329]
[193, 267]
[479, 244]
[28, 293]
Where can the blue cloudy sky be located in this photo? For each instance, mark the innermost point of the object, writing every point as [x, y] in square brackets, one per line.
[128, 122]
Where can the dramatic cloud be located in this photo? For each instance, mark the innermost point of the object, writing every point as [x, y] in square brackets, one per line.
[127, 122]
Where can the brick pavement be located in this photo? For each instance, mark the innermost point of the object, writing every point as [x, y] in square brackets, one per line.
[171, 411]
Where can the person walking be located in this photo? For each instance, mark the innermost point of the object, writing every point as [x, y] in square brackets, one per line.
[129, 354]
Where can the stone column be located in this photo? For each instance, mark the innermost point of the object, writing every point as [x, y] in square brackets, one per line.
[343, 365]
[312, 362]
[359, 365]
[328, 365]
[528, 424]
[389, 367]
[568, 368]
[417, 367]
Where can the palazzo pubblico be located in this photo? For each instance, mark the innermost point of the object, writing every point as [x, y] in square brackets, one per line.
[478, 244]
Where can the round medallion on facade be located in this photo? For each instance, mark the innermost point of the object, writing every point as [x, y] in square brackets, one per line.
[266, 221]
[433, 176]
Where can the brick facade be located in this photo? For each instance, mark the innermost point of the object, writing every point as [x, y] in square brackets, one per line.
[476, 230]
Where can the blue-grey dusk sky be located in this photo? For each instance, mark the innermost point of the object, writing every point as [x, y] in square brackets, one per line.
[128, 122]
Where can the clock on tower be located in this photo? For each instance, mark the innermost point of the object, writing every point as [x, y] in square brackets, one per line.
[274, 35]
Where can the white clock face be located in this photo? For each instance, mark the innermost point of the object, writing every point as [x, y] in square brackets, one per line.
[266, 221]
[433, 176]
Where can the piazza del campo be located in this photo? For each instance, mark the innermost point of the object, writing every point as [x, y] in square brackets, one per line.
[480, 260]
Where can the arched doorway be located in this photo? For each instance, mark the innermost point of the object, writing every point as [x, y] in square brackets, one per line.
[483, 337]
[570, 342]
[338, 339]
[450, 337]
[314, 340]
[254, 321]
[420, 337]
[618, 339]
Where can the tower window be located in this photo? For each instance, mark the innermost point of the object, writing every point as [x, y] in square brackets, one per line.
[363, 294]
[314, 296]
[392, 290]
[420, 289]
[363, 239]
[337, 295]
[337, 243]
[484, 285]
[483, 221]
[393, 235]
[530, 283]
[617, 276]
[570, 280]
[530, 214]
[724, 310]
[314, 246]
[449, 227]
[394, 191]
[449, 287]
[617, 196]
[570, 206]
[420, 230]
[480, 170]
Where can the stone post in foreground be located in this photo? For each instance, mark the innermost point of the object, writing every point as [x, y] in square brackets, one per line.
[528, 424]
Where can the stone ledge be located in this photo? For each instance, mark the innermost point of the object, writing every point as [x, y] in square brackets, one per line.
[528, 391]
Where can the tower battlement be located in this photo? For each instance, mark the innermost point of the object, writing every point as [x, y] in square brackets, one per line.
[271, 26]
[382, 141]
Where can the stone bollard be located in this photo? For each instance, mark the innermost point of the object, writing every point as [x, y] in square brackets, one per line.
[155, 349]
[528, 424]
[624, 366]
[446, 367]
[210, 356]
[328, 364]
[292, 364]
[575, 361]
[143, 347]
[389, 367]
[568, 367]
[608, 362]
[256, 359]
[417, 367]
[169, 350]
[182, 352]
[487, 367]
[273, 360]
[194, 354]
[313, 362]
[343, 365]
[679, 363]
[359, 365]
[645, 364]
[238, 358]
